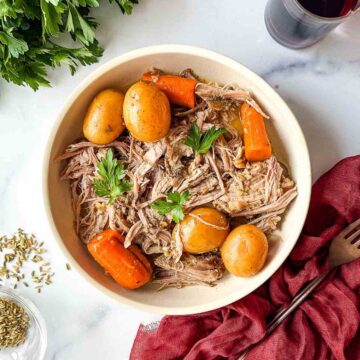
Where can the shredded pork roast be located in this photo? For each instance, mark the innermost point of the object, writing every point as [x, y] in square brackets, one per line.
[256, 193]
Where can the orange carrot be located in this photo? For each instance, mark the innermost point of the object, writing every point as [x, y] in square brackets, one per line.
[128, 267]
[257, 145]
[178, 89]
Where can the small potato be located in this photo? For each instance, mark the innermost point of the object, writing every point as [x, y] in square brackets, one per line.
[203, 230]
[147, 112]
[245, 250]
[103, 122]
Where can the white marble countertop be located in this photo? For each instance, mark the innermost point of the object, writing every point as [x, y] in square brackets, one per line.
[321, 85]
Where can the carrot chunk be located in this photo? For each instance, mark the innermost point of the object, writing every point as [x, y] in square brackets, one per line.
[257, 144]
[179, 90]
[128, 267]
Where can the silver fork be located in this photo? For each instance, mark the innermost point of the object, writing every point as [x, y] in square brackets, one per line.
[344, 248]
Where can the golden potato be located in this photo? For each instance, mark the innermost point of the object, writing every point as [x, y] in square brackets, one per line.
[245, 250]
[203, 230]
[103, 121]
[146, 112]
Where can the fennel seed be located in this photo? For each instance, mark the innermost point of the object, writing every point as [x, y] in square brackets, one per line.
[23, 249]
[14, 324]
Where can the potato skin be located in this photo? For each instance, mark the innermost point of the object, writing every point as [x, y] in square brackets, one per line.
[147, 112]
[245, 250]
[103, 121]
[198, 237]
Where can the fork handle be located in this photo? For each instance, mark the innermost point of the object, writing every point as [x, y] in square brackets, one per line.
[295, 303]
[284, 313]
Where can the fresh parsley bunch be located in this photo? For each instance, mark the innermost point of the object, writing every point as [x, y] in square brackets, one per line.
[29, 37]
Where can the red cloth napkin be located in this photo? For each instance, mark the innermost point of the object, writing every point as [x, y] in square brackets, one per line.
[325, 327]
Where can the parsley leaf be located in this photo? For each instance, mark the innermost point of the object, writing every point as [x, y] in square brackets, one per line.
[51, 17]
[126, 6]
[172, 205]
[201, 143]
[15, 46]
[112, 174]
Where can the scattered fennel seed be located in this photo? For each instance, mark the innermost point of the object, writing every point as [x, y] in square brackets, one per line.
[19, 251]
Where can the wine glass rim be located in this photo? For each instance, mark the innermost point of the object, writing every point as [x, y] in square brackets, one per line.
[323, 18]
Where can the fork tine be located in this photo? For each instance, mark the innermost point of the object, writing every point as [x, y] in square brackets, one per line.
[349, 228]
[354, 236]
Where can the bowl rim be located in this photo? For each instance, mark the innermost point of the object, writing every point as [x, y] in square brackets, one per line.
[187, 50]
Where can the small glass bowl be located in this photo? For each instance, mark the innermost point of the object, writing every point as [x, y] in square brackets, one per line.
[34, 347]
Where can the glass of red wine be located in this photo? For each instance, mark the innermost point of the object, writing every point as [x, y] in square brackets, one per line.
[301, 23]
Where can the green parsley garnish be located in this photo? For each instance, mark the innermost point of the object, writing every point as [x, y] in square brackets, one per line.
[112, 174]
[172, 205]
[201, 143]
[31, 32]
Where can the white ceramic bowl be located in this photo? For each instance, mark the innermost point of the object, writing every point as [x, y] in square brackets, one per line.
[288, 143]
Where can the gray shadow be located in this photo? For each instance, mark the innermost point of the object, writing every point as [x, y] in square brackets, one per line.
[341, 44]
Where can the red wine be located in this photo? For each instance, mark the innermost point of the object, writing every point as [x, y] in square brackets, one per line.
[292, 26]
[328, 8]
